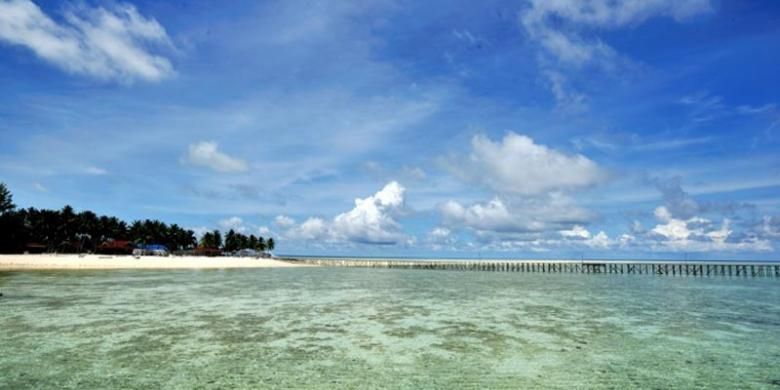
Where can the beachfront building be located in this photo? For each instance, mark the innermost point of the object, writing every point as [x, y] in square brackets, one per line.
[151, 250]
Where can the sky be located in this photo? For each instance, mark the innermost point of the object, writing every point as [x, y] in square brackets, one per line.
[543, 128]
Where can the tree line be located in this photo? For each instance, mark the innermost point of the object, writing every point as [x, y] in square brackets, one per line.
[68, 231]
[236, 241]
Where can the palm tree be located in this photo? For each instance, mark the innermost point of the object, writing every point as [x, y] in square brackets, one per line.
[217, 239]
[207, 240]
[271, 244]
[12, 232]
[231, 242]
[188, 239]
[66, 230]
[243, 241]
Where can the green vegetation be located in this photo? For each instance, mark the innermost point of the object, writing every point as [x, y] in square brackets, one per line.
[6, 201]
[236, 241]
[66, 231]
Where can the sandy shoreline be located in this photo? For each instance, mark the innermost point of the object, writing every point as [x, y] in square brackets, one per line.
[71, 262]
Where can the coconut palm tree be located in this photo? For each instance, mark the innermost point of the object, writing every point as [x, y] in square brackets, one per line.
[231, 241]
[12, 230]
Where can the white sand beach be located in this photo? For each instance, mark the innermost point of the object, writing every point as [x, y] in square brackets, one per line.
[55, 261]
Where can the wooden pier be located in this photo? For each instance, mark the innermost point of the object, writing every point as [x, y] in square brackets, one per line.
[741, 269]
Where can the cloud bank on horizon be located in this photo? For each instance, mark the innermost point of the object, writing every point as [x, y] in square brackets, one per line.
[596, 128]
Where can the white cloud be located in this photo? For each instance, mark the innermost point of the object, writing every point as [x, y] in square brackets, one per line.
[567, 99]
[95, 171]
[698, 234]
[441, 238]
[311, 229]
[705, 107]
[234, 223]
[284, 221]
[406, 173]
[600, 240]
[489, 216]
[559, 27]
[543, 19]
[626, 240]
[770, 227]
[413, 173]
[579, 235]
[517, 165]
[40, 187]
[751, 110]
[440, 233]
[677, 202]
[98, 42]
[576, 232]
[531, 183]
[200, 231]
[515, 215]
[371, 221]
[206, 154]
[264, 231]
[662, 213]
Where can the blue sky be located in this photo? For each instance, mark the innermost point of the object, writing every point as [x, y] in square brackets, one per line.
[509, 129]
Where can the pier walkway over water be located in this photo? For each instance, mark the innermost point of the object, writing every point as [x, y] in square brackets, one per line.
[753, 269]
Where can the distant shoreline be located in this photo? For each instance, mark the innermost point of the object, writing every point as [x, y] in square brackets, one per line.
[106, 262]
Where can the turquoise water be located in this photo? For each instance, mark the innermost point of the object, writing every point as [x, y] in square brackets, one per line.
[379, 328]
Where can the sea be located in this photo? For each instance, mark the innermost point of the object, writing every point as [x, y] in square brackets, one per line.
[353, 328]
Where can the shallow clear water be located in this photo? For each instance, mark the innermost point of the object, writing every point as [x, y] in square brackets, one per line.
[376, 328]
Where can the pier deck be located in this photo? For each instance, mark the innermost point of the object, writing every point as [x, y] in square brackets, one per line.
[639, 267]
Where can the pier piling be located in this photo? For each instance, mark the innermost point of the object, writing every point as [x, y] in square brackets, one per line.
[622, 267]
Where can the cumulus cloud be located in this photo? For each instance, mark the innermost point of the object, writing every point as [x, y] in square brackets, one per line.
[552, 212]
[239, 225]
[580, 235]
[518, 165]
[576, 231]
[441, 238]
[371, 221]
[697, 234]
[311, 229]
[206, 154]
[440, 233]
[489, 216]
[284, 221]
[264, 231]
[680, 204]
[235, 223]
[770, 227]
[112, 43]
[531, 183]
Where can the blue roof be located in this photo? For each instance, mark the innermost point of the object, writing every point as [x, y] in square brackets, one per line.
[154, 247]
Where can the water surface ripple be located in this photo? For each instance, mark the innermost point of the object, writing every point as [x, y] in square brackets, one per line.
[382, 328]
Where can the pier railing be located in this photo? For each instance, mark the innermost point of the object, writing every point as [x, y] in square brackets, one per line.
[660, 268]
